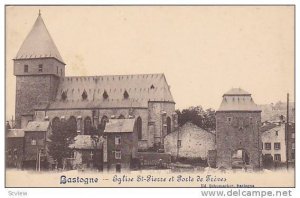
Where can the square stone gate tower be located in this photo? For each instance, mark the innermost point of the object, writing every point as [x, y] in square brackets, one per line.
[237, 131]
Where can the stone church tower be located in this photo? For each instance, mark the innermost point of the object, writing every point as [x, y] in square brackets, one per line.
[38, 67]
[237, 130]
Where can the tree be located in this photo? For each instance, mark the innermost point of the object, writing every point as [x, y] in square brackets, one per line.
[198, 116]
[63, 133]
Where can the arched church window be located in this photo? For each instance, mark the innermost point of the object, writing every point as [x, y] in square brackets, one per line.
[84, 95]
[139, 127]
[152, 86]
[105, 95]
[104, 119]
[168, 125]
[126, 95]
[55, 123]
[72, 125]
[87, 126]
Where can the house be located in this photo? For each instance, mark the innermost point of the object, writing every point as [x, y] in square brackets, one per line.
[120, 147]
[189, 141]
[36, 140]
[273, 137]
[87, 152]
[14, 148]
[238, 120]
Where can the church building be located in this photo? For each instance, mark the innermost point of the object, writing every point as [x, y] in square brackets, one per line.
[43, 92]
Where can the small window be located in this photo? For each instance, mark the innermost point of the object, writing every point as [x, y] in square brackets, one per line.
[178, 143]
[25, 68]
[276, 133]
[92, 155]
[126, 95]
[293, 155]
[293, 145]
[117, 140]
[33, 142]
[277, 157]
[105, 95]
[152, 87]
[229, 120]
[64, 96]
[40, 68]
[277, 146]
[267, 146]
[117, 154]
[251, 120]
[84, 95]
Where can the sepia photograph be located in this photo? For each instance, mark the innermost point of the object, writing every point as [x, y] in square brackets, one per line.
[150, 96]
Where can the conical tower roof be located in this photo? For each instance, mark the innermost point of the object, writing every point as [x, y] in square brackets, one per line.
[38, 43]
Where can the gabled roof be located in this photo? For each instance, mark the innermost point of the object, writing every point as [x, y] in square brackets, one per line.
[237, 99]
[86, 142]
[141, 88]
[37, 126]
[119, 126]
[38, 43]
[15, 133]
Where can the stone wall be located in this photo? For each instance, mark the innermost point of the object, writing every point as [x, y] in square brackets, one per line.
[195, 142]
[242, 132]
[31, 90]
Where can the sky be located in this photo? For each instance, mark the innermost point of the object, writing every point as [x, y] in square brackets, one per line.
[203, 50]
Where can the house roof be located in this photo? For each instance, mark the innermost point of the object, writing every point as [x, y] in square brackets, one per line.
[268, 127]
[38, 43]
[119, 126]
[15, 133]
[238, 100]
[141, 88]
[37, 126]
[86, 142]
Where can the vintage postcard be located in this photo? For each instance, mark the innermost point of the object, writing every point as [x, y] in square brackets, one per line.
[150, 96]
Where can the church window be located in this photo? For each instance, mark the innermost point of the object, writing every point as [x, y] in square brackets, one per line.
[126, 95]
[105, 95]
[117, 140]
[87, 125]
[64, 96]
[40, 68]
[84, 95]
[152, 87]
[121, 117]
[25, 68]
[168, 125]
[139, 127]
[276, 133]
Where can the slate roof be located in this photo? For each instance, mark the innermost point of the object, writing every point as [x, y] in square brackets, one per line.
[141, 89]
[119, 126]
[237, 99]
[38, 43]
[37, 126]
[86, 142]
[15, 133]
[236, 91]
[268, 127]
